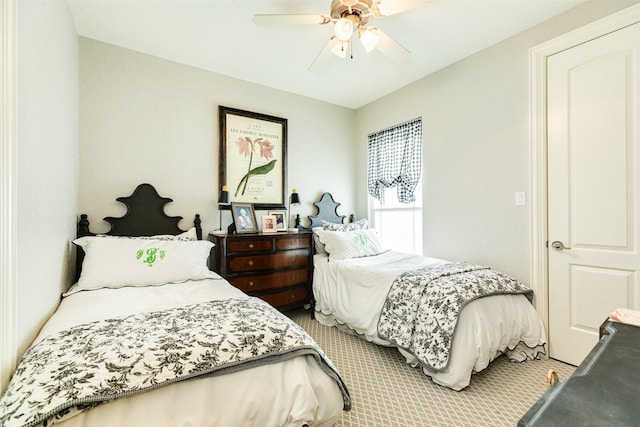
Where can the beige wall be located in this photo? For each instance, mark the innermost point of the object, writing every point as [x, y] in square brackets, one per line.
[476, 146]
[47, 160]
[145, 119]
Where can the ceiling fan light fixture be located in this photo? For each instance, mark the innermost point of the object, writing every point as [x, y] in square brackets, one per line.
[369, 40]
[340, 49]
[343, 29]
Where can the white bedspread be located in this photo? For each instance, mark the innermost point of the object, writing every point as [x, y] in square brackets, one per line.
[350, 294]
[289, 393]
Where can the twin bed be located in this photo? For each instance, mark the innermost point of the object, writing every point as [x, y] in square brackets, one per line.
[149, 336]
[416, 303]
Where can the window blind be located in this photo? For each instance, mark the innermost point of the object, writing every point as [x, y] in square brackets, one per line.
[395, 160]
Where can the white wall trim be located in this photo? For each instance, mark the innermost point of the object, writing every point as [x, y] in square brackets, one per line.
[538, 140]
[8, 178]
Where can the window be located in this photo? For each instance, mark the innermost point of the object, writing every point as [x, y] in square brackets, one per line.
[395, 186]
[399, 225]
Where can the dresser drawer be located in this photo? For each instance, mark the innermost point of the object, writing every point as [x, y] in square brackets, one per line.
[290, 297]
[277, 280]
[250, 245]
[293, 258]
[292, 243]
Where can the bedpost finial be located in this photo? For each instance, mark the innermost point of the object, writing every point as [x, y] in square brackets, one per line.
[83, 226]
[197, 223]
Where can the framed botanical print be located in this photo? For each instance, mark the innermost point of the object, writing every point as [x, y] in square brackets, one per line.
[244, 217]
[253, 157]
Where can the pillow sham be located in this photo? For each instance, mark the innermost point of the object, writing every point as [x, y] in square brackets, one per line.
[189, 235]
[351, 244]
[361, 224]
[316, 240]
[114, 263]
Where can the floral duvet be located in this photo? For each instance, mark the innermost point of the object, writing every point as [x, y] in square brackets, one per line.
[422, 308]
[86, 365]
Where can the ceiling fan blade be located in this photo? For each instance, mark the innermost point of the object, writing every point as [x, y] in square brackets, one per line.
[324, 56]
[291, 19]
[391, 48]
[392, 7]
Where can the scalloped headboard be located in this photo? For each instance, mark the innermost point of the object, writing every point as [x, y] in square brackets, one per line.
[327, 211]
[145, 216]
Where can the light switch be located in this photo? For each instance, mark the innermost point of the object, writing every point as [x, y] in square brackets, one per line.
[520, 201]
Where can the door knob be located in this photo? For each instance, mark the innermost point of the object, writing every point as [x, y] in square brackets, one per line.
[558, 245]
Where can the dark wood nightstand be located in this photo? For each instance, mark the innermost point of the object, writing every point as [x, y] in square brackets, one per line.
[276, 267]
[603, 390]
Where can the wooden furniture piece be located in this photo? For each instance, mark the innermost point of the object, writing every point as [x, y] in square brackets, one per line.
[145, 216]
[277, 267]
[603, 390]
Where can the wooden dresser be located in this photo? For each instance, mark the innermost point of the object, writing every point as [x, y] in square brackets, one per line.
[277, 267]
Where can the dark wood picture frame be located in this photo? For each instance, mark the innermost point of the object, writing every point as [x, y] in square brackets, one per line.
[244, 217]
[253, 157]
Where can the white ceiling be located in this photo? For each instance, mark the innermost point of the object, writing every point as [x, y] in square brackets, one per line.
[220, 36]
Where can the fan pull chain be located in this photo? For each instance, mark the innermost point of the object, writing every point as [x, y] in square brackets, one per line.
[351, 48]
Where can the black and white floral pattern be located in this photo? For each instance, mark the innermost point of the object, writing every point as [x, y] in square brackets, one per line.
[422, 308]
[90, 364]
[361, 224]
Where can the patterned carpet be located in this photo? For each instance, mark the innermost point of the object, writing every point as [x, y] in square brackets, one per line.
[386, 392]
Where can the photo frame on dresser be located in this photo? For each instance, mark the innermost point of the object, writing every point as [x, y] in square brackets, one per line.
[281, 220]
[268, 224]
[244, 217]
[253, 157]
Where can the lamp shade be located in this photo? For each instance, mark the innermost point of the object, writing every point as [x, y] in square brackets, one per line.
[223, 197]
[369, 40]
[340, 49]
[295, 197]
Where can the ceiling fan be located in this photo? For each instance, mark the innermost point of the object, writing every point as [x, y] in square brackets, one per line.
[349, 17]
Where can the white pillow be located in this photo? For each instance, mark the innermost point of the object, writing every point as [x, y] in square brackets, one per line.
[188, 235]
[361, 224]
[114, 263]
[350, 244]
[316, 240]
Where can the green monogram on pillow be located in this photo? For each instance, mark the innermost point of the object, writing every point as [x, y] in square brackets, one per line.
[361, 239]
[152, 254]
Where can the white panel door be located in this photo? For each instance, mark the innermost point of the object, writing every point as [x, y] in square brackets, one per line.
[593, 211]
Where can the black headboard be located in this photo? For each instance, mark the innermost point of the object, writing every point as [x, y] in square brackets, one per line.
[145, 217]
[327, 211]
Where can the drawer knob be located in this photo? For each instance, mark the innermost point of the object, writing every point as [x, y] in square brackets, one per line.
[251, 245]
[250, 262]
[250, 283]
